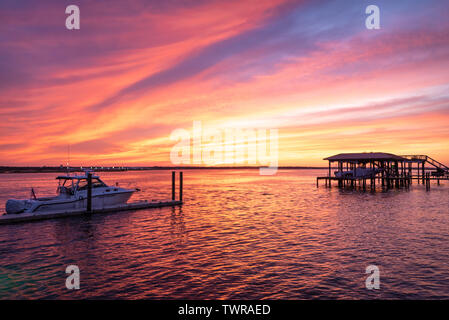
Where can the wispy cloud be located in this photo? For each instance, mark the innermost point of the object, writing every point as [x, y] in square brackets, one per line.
[115, 89]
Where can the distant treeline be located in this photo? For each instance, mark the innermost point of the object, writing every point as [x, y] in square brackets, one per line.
[7, 169]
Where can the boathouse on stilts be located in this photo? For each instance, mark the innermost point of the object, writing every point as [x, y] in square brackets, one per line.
[371, 169]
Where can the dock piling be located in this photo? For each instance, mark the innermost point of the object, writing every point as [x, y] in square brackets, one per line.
[173, 184]
[180, 186]
[89, 192]
[423, 172]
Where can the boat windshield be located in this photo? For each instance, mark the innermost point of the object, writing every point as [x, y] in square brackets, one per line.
[96, 183]
[68, 183]
[66, 186]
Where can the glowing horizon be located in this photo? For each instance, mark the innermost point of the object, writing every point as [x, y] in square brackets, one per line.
[117, 88]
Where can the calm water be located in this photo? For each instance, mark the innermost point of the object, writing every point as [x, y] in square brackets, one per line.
[238, 236]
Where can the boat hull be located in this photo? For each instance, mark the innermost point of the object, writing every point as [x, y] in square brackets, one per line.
[98, 202]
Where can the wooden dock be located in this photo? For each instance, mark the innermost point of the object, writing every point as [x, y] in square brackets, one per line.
[33, 216]
[89, 210]
[386, 182]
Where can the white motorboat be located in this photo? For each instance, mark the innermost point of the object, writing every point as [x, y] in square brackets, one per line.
[72, 194]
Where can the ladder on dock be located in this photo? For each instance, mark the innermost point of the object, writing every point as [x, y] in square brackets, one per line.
[437, 164]
[426, 159]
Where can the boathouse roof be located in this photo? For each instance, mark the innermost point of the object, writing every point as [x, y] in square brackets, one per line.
[365, 156]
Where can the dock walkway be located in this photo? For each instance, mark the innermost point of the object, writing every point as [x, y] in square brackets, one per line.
[33, 216]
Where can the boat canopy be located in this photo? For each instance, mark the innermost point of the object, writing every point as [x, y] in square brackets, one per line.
[79, 182]
[75, 177]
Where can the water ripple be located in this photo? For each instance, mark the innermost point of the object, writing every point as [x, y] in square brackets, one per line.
[238, 236]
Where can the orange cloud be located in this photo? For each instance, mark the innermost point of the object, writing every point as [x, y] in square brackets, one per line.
[116, 90]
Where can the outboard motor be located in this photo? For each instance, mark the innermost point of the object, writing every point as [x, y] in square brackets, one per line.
[15, 206]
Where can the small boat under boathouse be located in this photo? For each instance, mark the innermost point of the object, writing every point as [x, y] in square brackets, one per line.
[387, 169]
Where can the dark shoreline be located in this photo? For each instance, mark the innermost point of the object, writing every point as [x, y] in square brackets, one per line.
[7, 169]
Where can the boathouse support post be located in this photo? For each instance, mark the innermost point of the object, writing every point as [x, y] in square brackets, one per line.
[423, 171]
[180, 186]
[89, 193]
[419, 182]
[396, 170]
[409, 168]
[387, 181]
[410, 175]
[173, 184]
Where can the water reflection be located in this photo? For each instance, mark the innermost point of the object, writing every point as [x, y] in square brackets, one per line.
[177, 226]
[238, 235]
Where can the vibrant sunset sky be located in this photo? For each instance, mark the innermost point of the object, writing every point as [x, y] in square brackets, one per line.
[136, 70]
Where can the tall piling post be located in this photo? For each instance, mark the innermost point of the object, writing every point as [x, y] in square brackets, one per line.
[173, 185]
[383, 173]
[410, 170]
[89, 193]
[423, 171]
[180, 186]
[419, 178]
